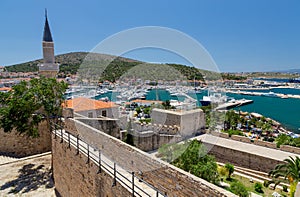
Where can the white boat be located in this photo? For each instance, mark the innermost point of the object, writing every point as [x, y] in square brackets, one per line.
[270, 94]
[213, 98]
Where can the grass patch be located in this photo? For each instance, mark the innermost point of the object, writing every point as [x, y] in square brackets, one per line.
[250, 186]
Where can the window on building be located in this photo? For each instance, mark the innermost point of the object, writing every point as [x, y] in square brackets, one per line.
[104, 113]
[90, 114]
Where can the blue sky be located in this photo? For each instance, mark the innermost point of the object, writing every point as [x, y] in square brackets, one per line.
[241, 35]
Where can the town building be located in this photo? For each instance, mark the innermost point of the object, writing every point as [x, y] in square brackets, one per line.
[93, 108]
[49, 68]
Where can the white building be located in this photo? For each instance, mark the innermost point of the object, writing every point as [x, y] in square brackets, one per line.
[190, 122]
[93, 108]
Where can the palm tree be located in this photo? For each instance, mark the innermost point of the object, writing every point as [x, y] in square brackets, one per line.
[290, 169]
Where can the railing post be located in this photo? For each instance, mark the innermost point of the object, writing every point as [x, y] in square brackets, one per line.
[115, 176]
[88, 153]
[156, 193]
[132, 184]
[54, 130]
[77, 144]
[99, 162]
[69, 139]
[61, 135]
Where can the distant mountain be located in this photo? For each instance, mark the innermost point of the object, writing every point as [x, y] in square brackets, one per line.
[295, 70]
[82, 62]
[69, 62]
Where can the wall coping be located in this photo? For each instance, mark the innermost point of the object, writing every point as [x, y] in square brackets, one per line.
[160, 162]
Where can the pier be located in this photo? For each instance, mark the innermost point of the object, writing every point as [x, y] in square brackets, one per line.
[232, 104]
[264, 94]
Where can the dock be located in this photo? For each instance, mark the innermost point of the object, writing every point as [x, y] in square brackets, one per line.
[232, 104]
[284, 96]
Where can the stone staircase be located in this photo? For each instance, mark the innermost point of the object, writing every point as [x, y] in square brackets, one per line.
[6, 159]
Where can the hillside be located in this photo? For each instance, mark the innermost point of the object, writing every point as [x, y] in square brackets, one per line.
[95, 64]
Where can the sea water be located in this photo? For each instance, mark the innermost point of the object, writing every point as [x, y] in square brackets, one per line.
[285, 111]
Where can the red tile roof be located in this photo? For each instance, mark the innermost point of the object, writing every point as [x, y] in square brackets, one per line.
[5, 89]
[85, 104]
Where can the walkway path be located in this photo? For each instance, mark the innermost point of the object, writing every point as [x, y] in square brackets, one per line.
[29, 176]
[246, 147]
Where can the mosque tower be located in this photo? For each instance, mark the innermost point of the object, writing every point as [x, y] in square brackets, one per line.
[49, 68]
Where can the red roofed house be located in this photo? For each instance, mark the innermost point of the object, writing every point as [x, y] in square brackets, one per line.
[5, 89]
[92, 108]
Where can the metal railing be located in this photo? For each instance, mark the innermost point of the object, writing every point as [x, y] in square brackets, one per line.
[131, 181]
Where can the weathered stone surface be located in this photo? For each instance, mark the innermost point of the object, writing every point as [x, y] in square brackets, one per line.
[73, 177]
[20, 145]
[290, 149]
[242, 159]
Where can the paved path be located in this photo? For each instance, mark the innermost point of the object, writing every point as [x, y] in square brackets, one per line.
[29, 176]
[246, 147]
[140, 188]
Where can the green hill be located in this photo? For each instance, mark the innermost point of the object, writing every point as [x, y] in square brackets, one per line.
[107, 67]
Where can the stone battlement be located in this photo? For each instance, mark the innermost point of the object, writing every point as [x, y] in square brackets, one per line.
[156, 128]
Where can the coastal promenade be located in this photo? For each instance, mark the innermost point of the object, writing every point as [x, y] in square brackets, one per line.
[246, 147]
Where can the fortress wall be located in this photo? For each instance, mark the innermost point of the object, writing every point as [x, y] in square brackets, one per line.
[290, 149]
[242, 159]
[165, 177]
[21, 145]
[286, 148]
[73, 176]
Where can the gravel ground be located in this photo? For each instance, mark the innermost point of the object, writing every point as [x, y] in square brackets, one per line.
[26, 177]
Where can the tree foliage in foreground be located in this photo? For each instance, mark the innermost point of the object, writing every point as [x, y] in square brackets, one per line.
[289, 170]
[29, 103]
[192, 157]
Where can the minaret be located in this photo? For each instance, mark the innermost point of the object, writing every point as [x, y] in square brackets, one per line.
[49, 68]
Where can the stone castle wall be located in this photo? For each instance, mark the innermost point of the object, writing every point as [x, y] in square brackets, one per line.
[286, 148]
[156, 128]
[242, 159]
[165, 177]
[109, 126]
[75, 177]
[21, 145]
[148, 141]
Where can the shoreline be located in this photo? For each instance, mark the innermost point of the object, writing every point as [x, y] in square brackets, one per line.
[280, 129]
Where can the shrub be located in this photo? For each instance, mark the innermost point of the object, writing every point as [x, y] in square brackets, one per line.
[239, 189]
[222, 171]
[258, 187]
[230, 168]
[284, 188]
[266, 183]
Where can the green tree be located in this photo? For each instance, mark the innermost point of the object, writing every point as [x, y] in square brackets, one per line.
[29, 103]
[283, 139]
[289, 170]
[195, 159]
[232, 119]
[230, 169]
[258, 187]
